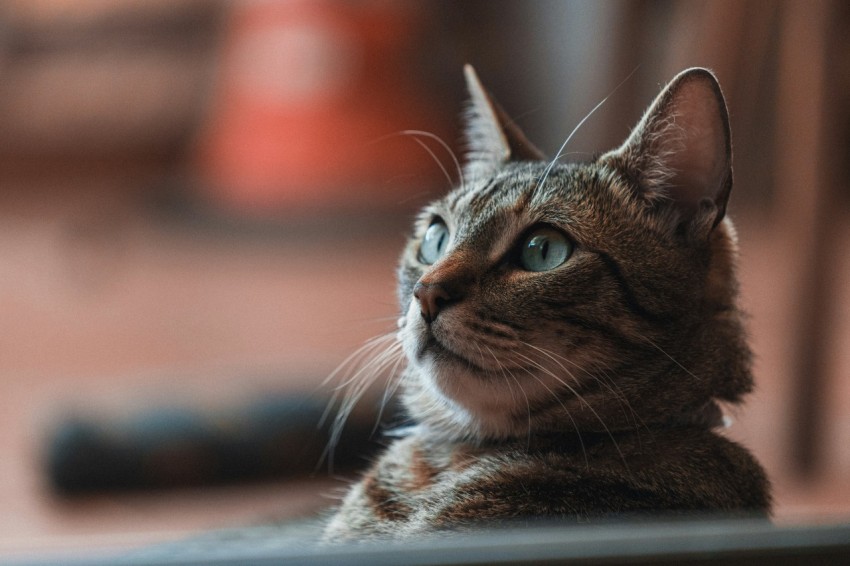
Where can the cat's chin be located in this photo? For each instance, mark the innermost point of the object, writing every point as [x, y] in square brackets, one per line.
[444, 356]
[452, 390]
[452, 399]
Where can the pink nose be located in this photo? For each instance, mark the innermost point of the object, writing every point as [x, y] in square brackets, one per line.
[432, 299]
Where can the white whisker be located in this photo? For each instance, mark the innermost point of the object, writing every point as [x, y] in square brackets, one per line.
[566, 412]
[445, 146]
[608, 382]
[436, 159]
[674, 360]
[573, 391]
[367, 364]
[507, 373]
[579, 125]
[566, 141]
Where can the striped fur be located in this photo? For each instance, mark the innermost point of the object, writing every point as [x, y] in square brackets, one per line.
[590, 389]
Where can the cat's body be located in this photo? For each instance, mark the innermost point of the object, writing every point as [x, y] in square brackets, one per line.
[568, 331]
[420, 486]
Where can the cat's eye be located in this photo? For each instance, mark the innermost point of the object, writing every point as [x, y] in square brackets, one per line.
[434, 243]
[544, 249]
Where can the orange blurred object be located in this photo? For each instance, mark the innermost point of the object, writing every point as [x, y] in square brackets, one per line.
[308, 93]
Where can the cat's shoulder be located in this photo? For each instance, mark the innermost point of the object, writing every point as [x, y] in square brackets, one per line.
[709, 466]
[687, 469]
[676, 468]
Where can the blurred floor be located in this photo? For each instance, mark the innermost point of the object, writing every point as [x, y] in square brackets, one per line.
[106, 307]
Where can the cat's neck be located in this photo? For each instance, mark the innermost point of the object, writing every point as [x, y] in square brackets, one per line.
[600, 413]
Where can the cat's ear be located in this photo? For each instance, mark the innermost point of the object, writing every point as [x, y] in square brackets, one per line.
[492, 138]
[681, 150]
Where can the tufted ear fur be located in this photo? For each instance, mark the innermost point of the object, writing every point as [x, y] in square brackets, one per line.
[492, 138]
[681, 151]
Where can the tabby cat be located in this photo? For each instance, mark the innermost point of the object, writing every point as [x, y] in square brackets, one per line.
[569, 330]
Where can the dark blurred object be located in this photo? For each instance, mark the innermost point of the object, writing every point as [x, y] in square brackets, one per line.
[275, 437]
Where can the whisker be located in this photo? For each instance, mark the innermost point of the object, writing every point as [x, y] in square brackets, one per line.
[372, 369]
[390, 387]
[359, 351]
[611, 384]
[445, 146]
[608, 382]
[506, 372]
[352, 360]
[566, 141]
[566, 411]
[578, 396]
[363, 351]
[674, 360]
[436, 159]
[579, 125]
[366, 364]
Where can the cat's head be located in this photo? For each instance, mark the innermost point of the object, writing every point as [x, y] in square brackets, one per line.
[589, 296]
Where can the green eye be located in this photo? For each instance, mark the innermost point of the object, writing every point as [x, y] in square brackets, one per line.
[434, 243]
[544, 249]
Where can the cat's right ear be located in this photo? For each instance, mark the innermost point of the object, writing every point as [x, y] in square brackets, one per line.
[492, 138]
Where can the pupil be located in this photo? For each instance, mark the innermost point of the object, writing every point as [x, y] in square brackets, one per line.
[544, 249]
[440, 241]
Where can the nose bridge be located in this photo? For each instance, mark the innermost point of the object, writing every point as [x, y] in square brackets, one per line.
[453, 271]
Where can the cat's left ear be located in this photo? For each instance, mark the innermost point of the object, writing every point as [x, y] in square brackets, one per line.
[681, 150]
[492, 138]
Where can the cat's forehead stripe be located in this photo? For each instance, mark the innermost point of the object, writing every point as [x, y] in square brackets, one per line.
[525, 198]
[468, 200]
[460, 205]
[452, 198]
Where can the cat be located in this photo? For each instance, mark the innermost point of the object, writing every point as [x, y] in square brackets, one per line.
[569, 330]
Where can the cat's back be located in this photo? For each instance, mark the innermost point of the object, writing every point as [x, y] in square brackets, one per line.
[419, 486]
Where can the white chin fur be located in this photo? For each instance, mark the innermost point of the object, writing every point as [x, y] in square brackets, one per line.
[452, 402]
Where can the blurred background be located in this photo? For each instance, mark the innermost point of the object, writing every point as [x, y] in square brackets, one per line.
[201, 206]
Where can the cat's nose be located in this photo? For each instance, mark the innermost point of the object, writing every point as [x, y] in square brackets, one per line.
[432, 299]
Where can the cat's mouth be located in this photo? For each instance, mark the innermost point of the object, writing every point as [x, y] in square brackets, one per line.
[441, 353]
